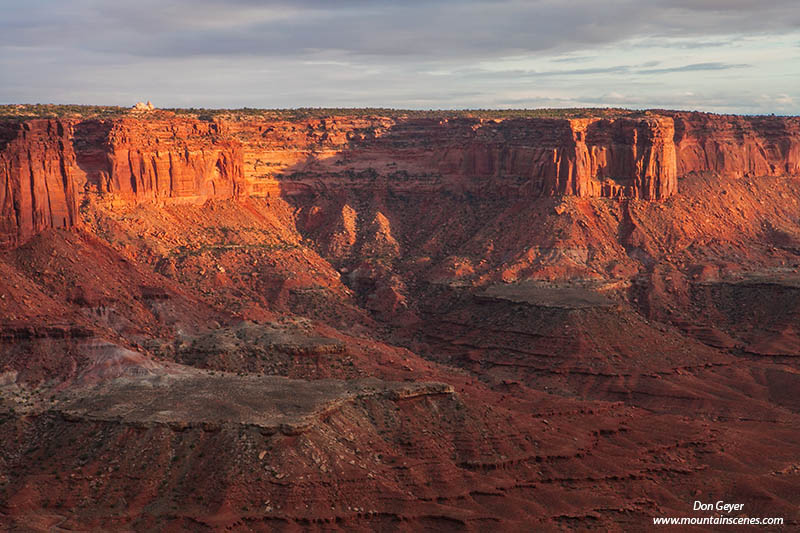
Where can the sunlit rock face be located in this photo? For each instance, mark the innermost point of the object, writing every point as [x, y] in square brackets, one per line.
[47, 165]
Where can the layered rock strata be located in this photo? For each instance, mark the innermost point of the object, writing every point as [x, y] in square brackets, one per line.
[47, 165]
[37, 182]
[737, 146]
[141, 159]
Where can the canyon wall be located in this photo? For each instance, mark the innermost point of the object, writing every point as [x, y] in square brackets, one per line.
[175, 159]
[37, 185]
[46, 165]
[737, 146]
[583, 157]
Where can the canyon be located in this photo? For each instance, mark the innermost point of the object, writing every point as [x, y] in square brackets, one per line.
[396, 320]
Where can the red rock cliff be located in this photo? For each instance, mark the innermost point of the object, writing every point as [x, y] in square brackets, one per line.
[46, 164]
[178, 159]
[736, 145]
[37, 188]
[584, 157]
[581, 157]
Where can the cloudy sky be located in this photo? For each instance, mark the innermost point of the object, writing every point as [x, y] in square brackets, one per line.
[738, 56]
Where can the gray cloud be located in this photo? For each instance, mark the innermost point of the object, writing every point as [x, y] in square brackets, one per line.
[384, 52]
[436, 29]
[643, 68]
[694, 67]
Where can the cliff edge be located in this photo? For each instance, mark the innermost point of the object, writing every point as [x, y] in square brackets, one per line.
[47, 165]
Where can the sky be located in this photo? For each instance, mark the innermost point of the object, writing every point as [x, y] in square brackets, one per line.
[727, 56]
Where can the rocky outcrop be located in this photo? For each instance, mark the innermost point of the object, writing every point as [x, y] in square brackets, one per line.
[737, 146]
[166, 158]
[45, 165]
[582, 157]
[175, 159]
[628, 157]
[37, 189]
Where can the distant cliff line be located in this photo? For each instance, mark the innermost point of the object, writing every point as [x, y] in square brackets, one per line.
[47, 165]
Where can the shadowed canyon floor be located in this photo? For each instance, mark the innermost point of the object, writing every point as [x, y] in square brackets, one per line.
[402, 324]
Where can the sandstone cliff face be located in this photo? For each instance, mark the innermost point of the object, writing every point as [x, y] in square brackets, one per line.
[45, 165]
[580, 157]
[638, 154]
[179, 159]
[271, 150]
[585, 157]
[36, 179]
[737, 146]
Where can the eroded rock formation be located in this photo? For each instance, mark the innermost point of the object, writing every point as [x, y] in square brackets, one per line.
[414, 334]
[736, 145]
[48, 164]
[37, 183]
[176, 159]
[582, 157]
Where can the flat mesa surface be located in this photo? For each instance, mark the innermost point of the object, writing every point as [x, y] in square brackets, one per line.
[29, 111]
[788, 280]
[264, 401]
[533, 293]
